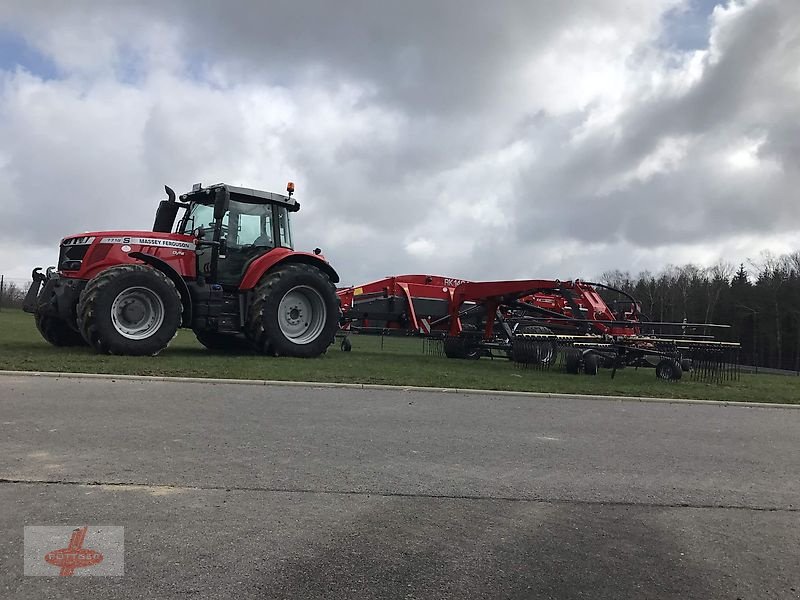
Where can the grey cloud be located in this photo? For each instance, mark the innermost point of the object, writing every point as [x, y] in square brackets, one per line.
[742, 95]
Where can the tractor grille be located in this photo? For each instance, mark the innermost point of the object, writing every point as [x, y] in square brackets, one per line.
[73, 250]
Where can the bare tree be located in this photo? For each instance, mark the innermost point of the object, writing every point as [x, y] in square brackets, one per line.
[12, 295]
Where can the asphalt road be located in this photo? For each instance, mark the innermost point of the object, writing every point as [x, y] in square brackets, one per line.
[286, 492]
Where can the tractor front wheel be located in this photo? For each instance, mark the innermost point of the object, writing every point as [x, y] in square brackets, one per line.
[294, 312]
[130, 310]
[57, 331]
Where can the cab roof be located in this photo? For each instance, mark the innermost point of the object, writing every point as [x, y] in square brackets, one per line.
[241, 194]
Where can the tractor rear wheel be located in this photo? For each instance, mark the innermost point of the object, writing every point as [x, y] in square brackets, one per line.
[130, 310]
[57, 331]
[294, 312]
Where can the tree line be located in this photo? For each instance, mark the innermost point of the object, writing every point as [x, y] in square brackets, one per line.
[760, 303]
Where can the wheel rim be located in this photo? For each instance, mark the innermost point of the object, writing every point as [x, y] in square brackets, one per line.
[302, 314]
[137, 313]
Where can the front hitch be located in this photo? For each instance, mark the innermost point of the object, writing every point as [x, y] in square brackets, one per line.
[32, 297]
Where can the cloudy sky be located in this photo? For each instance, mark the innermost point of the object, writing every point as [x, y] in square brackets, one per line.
[472, 139]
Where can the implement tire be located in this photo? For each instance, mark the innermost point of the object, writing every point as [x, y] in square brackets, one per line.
[132, 310]
[572, 362]
[591, 364]
[294, 312]
[668, 370]
[535, 352]
[465, 345]
[57, 331]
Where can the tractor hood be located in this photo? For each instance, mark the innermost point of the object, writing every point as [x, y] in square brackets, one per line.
[83, 254]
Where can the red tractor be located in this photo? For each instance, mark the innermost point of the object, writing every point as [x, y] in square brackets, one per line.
[227, 270]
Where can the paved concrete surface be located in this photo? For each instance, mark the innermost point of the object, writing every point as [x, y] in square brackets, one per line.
[279, 492]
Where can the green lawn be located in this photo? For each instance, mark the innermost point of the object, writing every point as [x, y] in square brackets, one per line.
[400, 362]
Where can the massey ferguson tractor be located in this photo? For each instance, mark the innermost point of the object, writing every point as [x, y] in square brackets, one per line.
[225, 269]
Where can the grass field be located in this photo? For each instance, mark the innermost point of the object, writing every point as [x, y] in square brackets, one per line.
[400, 362]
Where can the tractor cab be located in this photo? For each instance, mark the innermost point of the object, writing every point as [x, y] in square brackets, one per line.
[234, 226]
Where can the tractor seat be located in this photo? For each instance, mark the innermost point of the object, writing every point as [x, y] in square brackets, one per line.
[263, 241]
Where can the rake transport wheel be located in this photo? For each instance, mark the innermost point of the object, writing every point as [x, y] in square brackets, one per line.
[669, 369]
[591, 364]
[572, 362]
[57, 331]
[456, 346]
[463, 346]
[294, 312]
[131, 310]
[535, 352]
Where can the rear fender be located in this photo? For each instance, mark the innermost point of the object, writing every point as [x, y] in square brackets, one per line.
[183, 289]
[279, 257]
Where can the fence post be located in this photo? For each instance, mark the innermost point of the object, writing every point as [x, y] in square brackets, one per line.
[2, 289]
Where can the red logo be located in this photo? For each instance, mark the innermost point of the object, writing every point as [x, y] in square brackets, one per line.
[75, 555]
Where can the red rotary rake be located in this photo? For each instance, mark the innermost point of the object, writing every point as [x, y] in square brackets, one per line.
[536, 323]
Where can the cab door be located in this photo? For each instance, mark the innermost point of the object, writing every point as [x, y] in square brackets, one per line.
[248, 232]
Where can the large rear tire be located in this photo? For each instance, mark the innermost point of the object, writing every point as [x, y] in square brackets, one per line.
[57, 331]
[130, 310]
[294, 312]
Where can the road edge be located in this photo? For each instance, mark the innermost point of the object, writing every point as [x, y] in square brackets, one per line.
[375, 386]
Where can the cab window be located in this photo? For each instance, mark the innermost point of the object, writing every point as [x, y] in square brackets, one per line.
[250, 225]
[284, 230]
